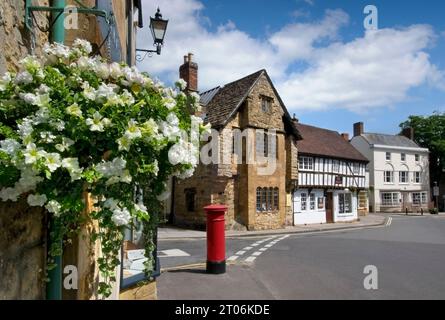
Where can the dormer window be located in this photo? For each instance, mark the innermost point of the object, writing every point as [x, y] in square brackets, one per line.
[266, 104]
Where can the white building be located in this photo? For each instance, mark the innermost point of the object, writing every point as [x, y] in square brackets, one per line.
[398, 170]
[331, 178]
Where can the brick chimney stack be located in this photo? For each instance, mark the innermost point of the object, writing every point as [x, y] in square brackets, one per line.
[189, 73]
[345, 136]
[408, 132]
[358, 129]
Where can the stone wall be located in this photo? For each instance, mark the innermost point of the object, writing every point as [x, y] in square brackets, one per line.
[22, 251]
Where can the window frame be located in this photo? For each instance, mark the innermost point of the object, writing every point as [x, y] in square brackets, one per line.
[266, 103]
[403, 157]
[405, 174]
[388, 155]
[345, 202]
[306, 165]
[392, 202]
[391, 176]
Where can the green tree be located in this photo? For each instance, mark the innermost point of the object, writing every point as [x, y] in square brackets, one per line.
[429, 132]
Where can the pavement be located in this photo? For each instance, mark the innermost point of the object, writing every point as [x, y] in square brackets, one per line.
[408, 253]
[371, 220]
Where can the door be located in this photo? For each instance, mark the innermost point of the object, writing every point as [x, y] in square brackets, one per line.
[329, 208]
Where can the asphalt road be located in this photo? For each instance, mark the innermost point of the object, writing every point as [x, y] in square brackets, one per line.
[409, 256]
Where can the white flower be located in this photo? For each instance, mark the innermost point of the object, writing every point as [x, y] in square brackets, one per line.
[42, 115]
[186, 174]
[28, 180]
[43, 88]
[30, 63]
[9, 194]
[72, 165]
[4, 81]
[121, 216]
[23, 77]
[10, 146]
[52, 161]
[53, 207]
[102, 70]
[88, 92]
[37, 200]
[196, 97]
[125, 177]
[84, 45]
[115, 70]
[25, 128]
[169, 103]
[85, 63]
[181, 84]
[140, 207]
[105, 92]
[47, 137]
[97, 123]
[74, 110]
[172, 119]
[113, 168]
[111, 203]
[127, 98]
[29, 98]
[59, 125]
[64, 145]
[32, 153]
[124, 143]
[133, 130]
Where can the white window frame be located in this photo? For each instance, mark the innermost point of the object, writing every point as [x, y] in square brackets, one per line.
[406, 175]
[391, 201]
[421, 198]
[391, 177]
[417, 177]
[303, 200]
[306, 163]
[312, 201]
[345, 207]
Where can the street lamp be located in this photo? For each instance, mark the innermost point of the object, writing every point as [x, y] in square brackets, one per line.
[158, 27]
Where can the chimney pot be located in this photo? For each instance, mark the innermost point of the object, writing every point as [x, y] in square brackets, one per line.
[190, 57]
[188, 71]
[185, 59]
[345, 136]
[358, 129]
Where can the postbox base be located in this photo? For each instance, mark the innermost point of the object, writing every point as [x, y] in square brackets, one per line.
[216, 267]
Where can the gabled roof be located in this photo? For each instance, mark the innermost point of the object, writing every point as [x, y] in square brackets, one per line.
[326, 143]
[223, 102]
[389, 140]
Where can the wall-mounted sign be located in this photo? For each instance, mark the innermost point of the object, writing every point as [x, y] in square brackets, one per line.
[338, 180]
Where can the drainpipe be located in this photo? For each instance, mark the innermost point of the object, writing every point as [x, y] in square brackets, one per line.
[54, 287]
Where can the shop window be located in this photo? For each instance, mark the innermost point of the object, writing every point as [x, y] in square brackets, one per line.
[345, 203]
[303, 202]
[312, 201]
[390, 198]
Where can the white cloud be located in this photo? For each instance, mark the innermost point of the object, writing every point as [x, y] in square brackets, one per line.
[375, 70]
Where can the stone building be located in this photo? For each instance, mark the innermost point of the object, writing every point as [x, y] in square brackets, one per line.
[255, 133]
[23, 230]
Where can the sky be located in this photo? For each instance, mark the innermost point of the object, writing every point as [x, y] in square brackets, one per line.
[329, 70]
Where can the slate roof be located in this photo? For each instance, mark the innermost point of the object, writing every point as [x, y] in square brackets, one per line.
[389, 140]
[223, 102]
[326, 143]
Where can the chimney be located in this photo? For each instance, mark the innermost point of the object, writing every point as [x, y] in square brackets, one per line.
[408, 132]
[345, 136]
[189, 73]
[295, 119]
[358, 129]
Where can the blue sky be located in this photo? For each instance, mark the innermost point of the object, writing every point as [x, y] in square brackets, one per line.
[328, 69]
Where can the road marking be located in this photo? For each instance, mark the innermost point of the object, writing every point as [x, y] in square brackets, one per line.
[256, 253]
[250, 259]
[172, 253]
[263, 249]
[388, 222]
[248, 248]
[240, 253]
[232, 258]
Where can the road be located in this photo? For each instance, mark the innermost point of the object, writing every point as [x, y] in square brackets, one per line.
[409, 256]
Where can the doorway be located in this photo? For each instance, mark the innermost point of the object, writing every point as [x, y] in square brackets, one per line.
[329, 208]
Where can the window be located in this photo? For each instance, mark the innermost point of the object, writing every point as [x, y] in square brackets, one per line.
[303, 202]
[266, 104]
[276, 206]
[335, 166]
[312, 201]
[320, 202]
[267, 199]
[306, 163]
[390, 199]
[403, 157]
[403, 176]
[356, 168]
[265, 143]
[417, 178]
[388, 156]
[417, 157]
[190, 195]
[388, 177]
[419, 198]
[344, 203]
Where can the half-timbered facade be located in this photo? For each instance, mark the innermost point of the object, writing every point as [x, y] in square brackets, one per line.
[332, 178]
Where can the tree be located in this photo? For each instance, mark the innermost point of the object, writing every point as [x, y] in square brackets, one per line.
[429, 132]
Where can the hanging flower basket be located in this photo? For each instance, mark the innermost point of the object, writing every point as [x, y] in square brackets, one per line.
[71, 123]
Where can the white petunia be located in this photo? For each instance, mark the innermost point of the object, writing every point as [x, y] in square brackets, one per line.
[169, 103]
[124, 143]
[64, 145]
[4, 81]
[37, 200]
[9, 194]
[74, 110]
[32, 153]
[181, 84]
[97, 123]
[115, 70]
[84, 45]
[121, 216]
[52, 161]
[140, 207]
[23, 77]
[133, 130]
[54, 207]
[10, 146]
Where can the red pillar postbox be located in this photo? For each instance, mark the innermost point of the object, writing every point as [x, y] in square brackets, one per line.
[216, 241]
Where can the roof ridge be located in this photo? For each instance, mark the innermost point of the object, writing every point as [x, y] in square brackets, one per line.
[312, 126]
[240, 79]
[204, 92]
